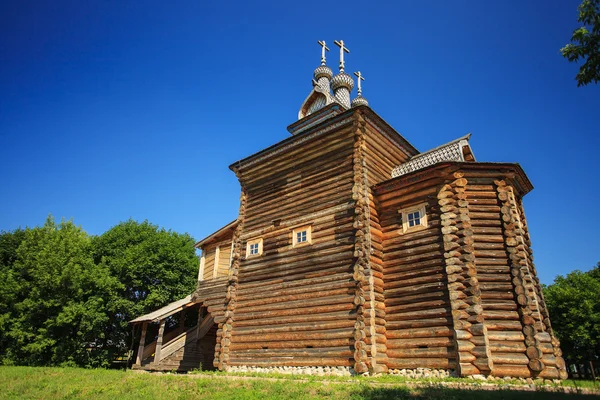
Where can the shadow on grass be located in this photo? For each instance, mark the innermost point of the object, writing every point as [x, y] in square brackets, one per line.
[378, 393]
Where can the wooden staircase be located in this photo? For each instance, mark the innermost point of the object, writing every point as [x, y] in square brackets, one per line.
[189, 350]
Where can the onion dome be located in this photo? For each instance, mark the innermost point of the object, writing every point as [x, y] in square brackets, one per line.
[342, 80]
[359, 101]
[323, 71]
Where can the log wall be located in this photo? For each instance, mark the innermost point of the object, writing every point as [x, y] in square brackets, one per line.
[295, 305]
[223, 261]
[209, 262]
[418, 313]
[466, 284]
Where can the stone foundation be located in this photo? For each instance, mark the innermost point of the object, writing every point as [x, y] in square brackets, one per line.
[318, 371]
[423, 373]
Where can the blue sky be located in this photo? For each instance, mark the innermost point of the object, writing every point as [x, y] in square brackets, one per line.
[119, 109]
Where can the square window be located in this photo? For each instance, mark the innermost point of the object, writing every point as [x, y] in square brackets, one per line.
[414, 218]
[301, 236]
[254, 247]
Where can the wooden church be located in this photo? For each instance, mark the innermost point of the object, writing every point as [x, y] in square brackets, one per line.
[353, 249]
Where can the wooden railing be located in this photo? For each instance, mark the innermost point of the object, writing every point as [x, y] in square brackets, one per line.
[175, 340]
[150, 348]
[178, 342]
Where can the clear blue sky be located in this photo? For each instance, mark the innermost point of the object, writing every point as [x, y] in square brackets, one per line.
[119, 109]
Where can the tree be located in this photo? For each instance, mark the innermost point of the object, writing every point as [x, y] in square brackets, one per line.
[585, 43]
[574, 306]
[9, 285]
[54, 298]
[154, 266]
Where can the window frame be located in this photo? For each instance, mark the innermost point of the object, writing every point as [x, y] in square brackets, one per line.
[423, 223]
[300, 229]
[249, 243]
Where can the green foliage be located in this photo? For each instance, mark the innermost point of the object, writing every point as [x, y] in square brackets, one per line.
[574, 306]
[154, 266]
[65, 297]
[585, 43]
[54, 298]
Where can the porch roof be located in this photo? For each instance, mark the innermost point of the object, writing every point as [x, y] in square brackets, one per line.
[164, 312]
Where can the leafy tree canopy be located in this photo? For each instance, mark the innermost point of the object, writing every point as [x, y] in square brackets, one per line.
[53, 297]
[154, 266]
[585, 43]
[574, 305]
[66, 297]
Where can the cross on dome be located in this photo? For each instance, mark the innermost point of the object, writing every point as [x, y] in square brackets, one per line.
[323, 49]
[343, 48]
[360, 78]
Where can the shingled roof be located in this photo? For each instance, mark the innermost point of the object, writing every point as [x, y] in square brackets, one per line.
[456, 150]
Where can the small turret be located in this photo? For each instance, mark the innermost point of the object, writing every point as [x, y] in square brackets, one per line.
[359, 100]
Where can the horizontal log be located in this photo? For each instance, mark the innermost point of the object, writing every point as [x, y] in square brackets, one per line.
[293, 344]
[339, 352]
[419, 342]
[262, 303]
[510, 358]
[312, 326]
[443, 331]
[419, 323]
[295, 281]
[414, 298]
[412, 290]
[421, 305]
[282, 294]
[270, 316]
[320, 301]
[507, 347]
[393, 267]
[415, 315]
[506, 336]
[550, 373]
[400, 276]
[285, 336]
[513, 371]
[432, 352]
[294, 362]
[468, 369]
[495, 325]
[499, 315]
[418, 281]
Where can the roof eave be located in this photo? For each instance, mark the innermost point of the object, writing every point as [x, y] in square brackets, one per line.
[215, 234]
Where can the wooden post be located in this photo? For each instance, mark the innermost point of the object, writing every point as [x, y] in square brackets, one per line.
[216, 266]
[159, 341]
[201, 270]
[592, 369]
[182, 320]
[140, 353]
[230, 257]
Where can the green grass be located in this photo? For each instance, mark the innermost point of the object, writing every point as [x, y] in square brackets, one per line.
[73, 383]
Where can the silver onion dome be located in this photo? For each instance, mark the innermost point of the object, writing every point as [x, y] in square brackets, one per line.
[342, 80]
[359, 101]
[323, 71]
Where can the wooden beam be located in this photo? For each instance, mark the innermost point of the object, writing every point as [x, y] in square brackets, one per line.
[140, 352]
[202, 262]
[159, 341]
[230, 257]
[182, 320]
[216, 267]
